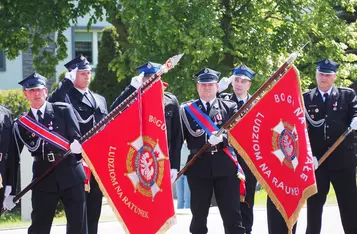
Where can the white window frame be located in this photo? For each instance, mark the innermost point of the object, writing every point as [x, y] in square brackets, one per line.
[94, 30]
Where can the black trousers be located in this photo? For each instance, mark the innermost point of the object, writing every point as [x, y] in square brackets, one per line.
[226, 190]
[94, 206]
[44, 206]
[246, 207]
[344, 183]
[276, 222]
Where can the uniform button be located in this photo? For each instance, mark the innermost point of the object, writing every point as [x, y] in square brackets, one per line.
[326, 116]
[328, 137]
[327, 126]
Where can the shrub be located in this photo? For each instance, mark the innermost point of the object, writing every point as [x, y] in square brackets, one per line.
[15, 101]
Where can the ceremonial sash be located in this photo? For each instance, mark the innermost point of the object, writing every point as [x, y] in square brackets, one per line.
[53, 138]
[42, 132]
[207, 124]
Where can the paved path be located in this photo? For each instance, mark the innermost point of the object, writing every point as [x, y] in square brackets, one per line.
[331, 223]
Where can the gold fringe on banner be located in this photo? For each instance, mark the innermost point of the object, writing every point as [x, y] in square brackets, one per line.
[166, 226]
[308, 192]
[104, 191]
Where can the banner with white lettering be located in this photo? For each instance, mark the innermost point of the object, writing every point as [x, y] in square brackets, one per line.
[273, 140]
[129, 159]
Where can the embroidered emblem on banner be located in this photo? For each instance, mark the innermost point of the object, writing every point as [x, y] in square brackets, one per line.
[285, 144]
[145, 164]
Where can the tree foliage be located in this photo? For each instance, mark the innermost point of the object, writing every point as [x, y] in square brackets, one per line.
[106, 81]
[216, 34]
[15, 101]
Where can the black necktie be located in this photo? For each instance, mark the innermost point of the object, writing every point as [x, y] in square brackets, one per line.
[39, 116]
[240, 104]
[86, 95]
[326, 97]
[208, 105]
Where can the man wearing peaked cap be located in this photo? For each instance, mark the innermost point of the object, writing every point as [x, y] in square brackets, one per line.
[149, 68]
[80, 62]
[214, 171]
[241, 80]
[330, 110]
[206, 75]
[172, 113]
[327, 66]
[34, 81]
[90, 108]
[65, 182]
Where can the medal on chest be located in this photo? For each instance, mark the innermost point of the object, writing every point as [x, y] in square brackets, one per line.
[50, 127]
[334, 106]
[217, 119]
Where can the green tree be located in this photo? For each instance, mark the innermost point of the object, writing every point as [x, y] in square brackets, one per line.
[15, 101]
[223, 34]
[106, 81]
[217, 34]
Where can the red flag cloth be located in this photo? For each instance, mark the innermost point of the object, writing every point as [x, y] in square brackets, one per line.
[133, 169]
[273, 140]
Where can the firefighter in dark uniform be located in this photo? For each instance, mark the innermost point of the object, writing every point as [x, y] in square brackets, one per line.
[241, 80]
[330, 111]
[172, 114]
[66, 181]
[213, 170]
[89, 108]
[7, 154]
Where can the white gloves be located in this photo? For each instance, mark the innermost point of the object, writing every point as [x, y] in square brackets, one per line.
[8, 203]
[215, 140]
[137, 81]
[76, 147]
[223, 84]
[316, 162]
[71, 75]
[173, 174]
[8, 190]
[353, 124]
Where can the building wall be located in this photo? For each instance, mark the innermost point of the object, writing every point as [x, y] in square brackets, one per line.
[12, 74]
[70, 33]
[21, 67]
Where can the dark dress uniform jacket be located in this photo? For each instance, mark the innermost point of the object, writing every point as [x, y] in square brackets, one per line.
[250, 180]
[173, 124]
[207, 165]
[82, 106]
[70, 172]
[88, 114]
[6, 152]
[338, 112]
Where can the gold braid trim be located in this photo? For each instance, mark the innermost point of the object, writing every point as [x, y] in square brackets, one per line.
[104, 191]
[167, 225]
[308, 192]
[311, 190]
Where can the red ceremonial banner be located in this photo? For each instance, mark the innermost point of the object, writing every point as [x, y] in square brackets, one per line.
[129, 159]
[273, 140]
